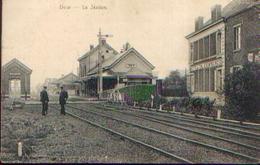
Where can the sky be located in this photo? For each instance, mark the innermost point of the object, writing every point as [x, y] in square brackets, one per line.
[49, 38]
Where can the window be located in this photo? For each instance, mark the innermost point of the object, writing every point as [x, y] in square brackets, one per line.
[218, 79]
[206, 47]
[130, 65]
[207, 79]
[192, 82]
[212, 79]
[235, 68]
[201, 54]
[213, 44]
[196, 50]
[191, 52]
[200, 80]
[237, 37]
[196, 81]
[218, 42]
[204, 80]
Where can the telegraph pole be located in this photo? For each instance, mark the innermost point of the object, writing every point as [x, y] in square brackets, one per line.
[100, 80]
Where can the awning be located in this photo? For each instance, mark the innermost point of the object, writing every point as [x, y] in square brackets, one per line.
[139, 76]
[95, 77]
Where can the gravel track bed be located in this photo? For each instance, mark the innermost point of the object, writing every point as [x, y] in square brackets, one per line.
[238, 138]
[56, 138]
[179, 132]
[192, 152]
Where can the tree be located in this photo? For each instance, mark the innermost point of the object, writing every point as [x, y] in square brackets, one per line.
[175, 84]
[242, 93]
[173, 80]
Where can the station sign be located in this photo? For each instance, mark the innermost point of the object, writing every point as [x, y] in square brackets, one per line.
[210, 64]
[14, 75]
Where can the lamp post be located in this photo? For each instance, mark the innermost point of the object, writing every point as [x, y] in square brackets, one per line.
[100, 80]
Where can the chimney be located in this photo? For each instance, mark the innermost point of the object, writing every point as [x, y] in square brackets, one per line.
[127, 46]
[198, 23]
[91, 47]
[215, 13]
[103, 41]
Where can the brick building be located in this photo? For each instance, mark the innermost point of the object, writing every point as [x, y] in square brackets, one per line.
[242, 21]
[221, 45]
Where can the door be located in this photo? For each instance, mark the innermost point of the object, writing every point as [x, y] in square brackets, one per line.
[15, 88]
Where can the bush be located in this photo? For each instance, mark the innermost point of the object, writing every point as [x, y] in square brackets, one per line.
[242, 93]
[139, 93]
[201, 106]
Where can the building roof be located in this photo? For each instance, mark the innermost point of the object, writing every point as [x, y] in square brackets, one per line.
[112, 61]
[17, 62]
[135, 73]
[233, 8]
[69, 78]
[95, 49]
[237, 6]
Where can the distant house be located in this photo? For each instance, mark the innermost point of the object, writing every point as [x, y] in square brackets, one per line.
[51, 86]
[222, 45]
[128, 67]
[15, 80]
[69, 83]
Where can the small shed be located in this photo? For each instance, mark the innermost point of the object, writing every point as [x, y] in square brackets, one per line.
[15, 81]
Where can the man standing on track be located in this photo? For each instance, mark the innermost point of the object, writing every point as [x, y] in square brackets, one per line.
[44, 99]
[63, 98]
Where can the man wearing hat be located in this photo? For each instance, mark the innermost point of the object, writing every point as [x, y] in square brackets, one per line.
[44, 99]
[63, 98]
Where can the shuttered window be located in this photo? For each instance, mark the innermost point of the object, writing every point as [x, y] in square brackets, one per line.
[201, 53]
[206, 47]
[213, 44]
[212, 79]
[191, 52]
[196, 50]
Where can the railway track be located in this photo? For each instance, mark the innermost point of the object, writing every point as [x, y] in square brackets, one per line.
[194, 142]
[199, 124]
[255, 128]
[165, 122]
[237, 124]
[156, 149]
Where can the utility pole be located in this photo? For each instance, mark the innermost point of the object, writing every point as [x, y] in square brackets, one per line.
[100, 80]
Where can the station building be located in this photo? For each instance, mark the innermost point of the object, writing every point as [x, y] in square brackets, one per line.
[219, 46]
[69, 82]
[128, 67]
[15, 80]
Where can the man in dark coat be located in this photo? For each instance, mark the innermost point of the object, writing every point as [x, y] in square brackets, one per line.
[44, 99]
[63, 98]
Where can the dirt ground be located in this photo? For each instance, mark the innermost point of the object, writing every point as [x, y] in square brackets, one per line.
[56, 138]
